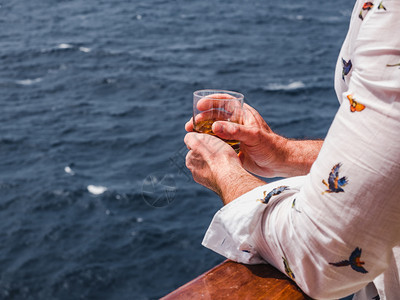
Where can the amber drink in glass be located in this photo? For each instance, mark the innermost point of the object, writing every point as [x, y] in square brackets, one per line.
[210, 106]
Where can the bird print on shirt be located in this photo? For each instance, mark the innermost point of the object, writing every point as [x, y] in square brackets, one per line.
[380, 6]
[288, 270]
[365, 9]
[274, 192]
[346, 67]
[354, 262]
[334, 183]
[294, 205]
[354, 105]
[394, 65]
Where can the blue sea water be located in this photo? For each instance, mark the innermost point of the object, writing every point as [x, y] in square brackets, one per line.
[95, 200]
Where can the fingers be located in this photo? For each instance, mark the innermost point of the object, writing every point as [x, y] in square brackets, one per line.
[194, 161]
[248, 133]
[234, 131]
[250, 108]
[195, 141]
[228, 130]
[213, 115]
[252, 117]
[189, 125]
[206, 144]
[220, 101]
[189, 140]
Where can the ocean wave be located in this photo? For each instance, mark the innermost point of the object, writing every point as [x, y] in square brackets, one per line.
[293, 86]
[296, 17]
[69, 171]
[64, 46]
[84, 49]
[96, 189]
[338, 17]
[29, 81]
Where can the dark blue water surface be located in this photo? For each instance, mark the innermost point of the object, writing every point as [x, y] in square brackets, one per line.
[94, 96]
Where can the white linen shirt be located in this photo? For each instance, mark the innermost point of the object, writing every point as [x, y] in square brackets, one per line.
[336, 231]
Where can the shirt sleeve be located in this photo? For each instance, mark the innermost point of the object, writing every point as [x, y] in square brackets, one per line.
[333, 230]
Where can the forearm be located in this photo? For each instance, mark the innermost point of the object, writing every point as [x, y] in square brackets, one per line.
[299, 155]
[235, 183]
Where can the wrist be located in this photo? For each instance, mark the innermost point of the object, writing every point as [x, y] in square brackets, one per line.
[281, 156]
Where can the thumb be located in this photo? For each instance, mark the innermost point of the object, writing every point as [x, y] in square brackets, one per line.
[233, 131]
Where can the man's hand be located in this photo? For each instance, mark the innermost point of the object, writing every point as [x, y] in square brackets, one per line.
[263, 152]
[216, 165]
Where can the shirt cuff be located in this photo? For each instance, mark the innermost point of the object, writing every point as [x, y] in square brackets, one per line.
[236, 228]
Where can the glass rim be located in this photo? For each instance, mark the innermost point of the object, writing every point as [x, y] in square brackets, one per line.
[237, 95]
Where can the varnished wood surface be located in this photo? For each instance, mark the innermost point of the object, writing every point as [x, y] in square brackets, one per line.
[231, 280]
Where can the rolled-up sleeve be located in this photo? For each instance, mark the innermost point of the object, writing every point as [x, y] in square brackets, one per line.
[235, 229]
[333, 230]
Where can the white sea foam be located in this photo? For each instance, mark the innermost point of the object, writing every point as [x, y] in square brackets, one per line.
[84, 49]
[29, 81]
[69, 171]
[96, 189]
[64, 46]
[285, 87]
[295, 17]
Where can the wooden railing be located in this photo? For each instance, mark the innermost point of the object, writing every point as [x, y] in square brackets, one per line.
[231, 280]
